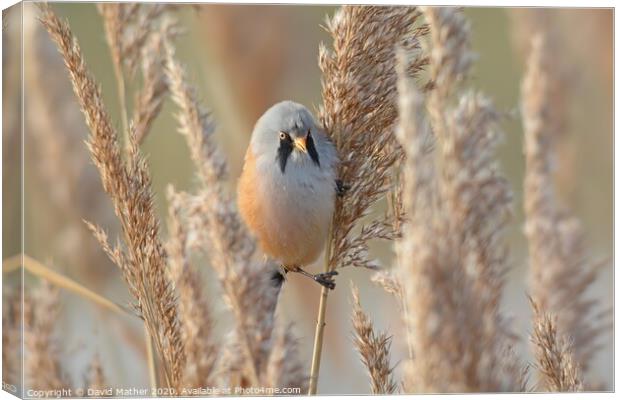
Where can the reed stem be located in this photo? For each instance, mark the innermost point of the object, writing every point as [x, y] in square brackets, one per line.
[122, 99]
[38, 269]
[320, 324]
[150, 358]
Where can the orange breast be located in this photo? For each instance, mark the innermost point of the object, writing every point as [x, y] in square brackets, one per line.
[277, 228]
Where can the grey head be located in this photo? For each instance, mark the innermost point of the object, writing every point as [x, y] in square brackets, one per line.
[287, 132]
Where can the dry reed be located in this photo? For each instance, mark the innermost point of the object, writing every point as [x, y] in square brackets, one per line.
[553, 355]
[560, 270]
[358, 113]
[562, 88]
[46, 273]
[143, 258]
[133, 32]
[374, 349]
[388, 282]
[194, 311]
[149, 100]
[457, 196]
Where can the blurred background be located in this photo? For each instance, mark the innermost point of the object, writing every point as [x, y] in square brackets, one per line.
[243, 59]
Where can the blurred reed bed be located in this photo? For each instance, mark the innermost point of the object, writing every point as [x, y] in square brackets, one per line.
[560, 266]
[411, 135]
[452, 258]
[62, 173]
[12, 321]
[569, 90]
[11, 125]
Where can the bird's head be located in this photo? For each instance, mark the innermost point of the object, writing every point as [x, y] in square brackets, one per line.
[288, 133]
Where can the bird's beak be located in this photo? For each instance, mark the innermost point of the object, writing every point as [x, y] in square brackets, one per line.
[300, 143]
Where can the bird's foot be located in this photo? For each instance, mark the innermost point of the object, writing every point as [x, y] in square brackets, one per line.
[341, 188]
[326, 279]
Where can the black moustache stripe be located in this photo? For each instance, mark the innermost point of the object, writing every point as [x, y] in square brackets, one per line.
[286, 148]
[284, 152]
[312, 150]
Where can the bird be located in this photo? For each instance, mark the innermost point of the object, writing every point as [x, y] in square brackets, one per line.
[287, 190]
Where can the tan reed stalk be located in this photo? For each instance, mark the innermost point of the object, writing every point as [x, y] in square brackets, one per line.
[450, 59]
[223, 238]
[132, 34]
[150, 99]
[529, 21]
[553, 355]
[373, 348]
[560, 268]
[42, 366]
[457, 196]
[45, 273]
[113, 17]
[143, 258]
[150, 359]
[194, 311]
[358, 113]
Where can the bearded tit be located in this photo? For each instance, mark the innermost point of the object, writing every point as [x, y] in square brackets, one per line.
[288, 187]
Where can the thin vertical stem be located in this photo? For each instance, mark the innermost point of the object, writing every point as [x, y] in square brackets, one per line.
[150, 359]
[318, 343]
[320, 324]
[122, 99]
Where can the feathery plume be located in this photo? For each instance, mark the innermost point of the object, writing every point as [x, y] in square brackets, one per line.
[559, 266]
[456, 195]
[553, 355]
[150, 99]
[448, 48]
[358, 113]
[388, 282]
[127, 29]
[450, 58]
[373, 348]
[143, 258]
[194, 311]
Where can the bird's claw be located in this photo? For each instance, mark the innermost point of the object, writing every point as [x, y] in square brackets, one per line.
[341, 188]
[326, 279]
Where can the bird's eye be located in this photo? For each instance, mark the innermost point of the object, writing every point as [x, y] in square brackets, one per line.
[283, 135]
